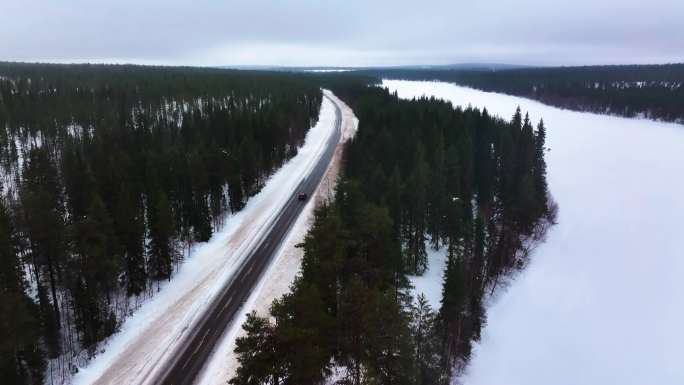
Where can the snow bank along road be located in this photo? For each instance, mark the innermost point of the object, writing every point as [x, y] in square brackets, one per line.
[155, 336]
[192, 354]
[276, 281]
[602, 300]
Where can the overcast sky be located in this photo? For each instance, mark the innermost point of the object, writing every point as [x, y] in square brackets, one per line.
[343, 32]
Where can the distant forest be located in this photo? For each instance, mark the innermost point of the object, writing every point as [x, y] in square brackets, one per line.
[108, 173]
[650, 91]
[418, 174]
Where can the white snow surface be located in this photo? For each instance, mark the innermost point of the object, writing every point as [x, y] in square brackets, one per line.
[277, 279]
[602, 300]
[430, 283]
[146, 338]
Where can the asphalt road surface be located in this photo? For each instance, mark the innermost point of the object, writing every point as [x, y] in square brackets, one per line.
[191, 355]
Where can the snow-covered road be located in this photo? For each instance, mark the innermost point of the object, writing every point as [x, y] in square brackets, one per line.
[602, 301]
[148, 336]
[277, 280]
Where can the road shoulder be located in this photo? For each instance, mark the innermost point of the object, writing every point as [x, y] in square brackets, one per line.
[285, 266]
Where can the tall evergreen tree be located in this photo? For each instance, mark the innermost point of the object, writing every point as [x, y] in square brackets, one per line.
[97, 269]
[427, 343]
[20, 346]
[453, 298]
[304, 334]
[389, 346]
[539, 169]
[129, 222]
[260, 361]
[162, 251]
[43, 225]
[414, 231]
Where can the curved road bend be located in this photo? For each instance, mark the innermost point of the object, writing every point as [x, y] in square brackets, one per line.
[189, 357]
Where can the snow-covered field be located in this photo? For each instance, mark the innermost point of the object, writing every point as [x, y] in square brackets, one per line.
[278, 278]
[150, 334]
[602, 301]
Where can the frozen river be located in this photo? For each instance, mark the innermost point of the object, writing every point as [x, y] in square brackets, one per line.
[602, 301]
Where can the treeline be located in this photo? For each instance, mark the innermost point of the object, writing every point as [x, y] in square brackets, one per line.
[651, 91]
[108, 173]
[418, 174]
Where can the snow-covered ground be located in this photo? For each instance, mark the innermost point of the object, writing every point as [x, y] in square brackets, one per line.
[278, 278]
[150, 334]
[325, 70]
[430, 283]
[602, 301]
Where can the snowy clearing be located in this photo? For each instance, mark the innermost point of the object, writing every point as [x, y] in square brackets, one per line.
[602, 300]
[149, 335]
[430, 283]
[285, 266]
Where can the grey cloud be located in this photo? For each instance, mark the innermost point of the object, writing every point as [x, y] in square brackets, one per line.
[336, 32]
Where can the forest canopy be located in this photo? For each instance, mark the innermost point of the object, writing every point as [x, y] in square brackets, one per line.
[418, 174]
[650, 91]
[109, 173]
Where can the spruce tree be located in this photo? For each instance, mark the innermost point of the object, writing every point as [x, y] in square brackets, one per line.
[130, 229]
[390, 349]
[43, 224]
[162, 252]
[353, 324]
[257, 354]
[427, 343]
[201, 219]
[98, 267]
[539, 169]
[451, 310]
[305, 335]
[20, 349]
[415, 199]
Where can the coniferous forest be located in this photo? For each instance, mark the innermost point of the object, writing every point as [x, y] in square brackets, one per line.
[418, 174]
[108, 174]
[650, 91]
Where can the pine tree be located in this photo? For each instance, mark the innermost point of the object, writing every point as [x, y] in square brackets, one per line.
[250, 157]
[98, 267]
[20, 349]
[235, 191]
[427, 345]
[78, 182]
[390, 350]
[353, 324]
[414, 233]
[162, 252]
[325, 247]
[201, 219]
[437, 194]
[376, 256]
[539, 169]
[524, 212]
[130, 229]
[454, 199]
[43, 224]
[450, 313]
[257, 354]
[516, 123]
[305, 335]
[393, 202]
